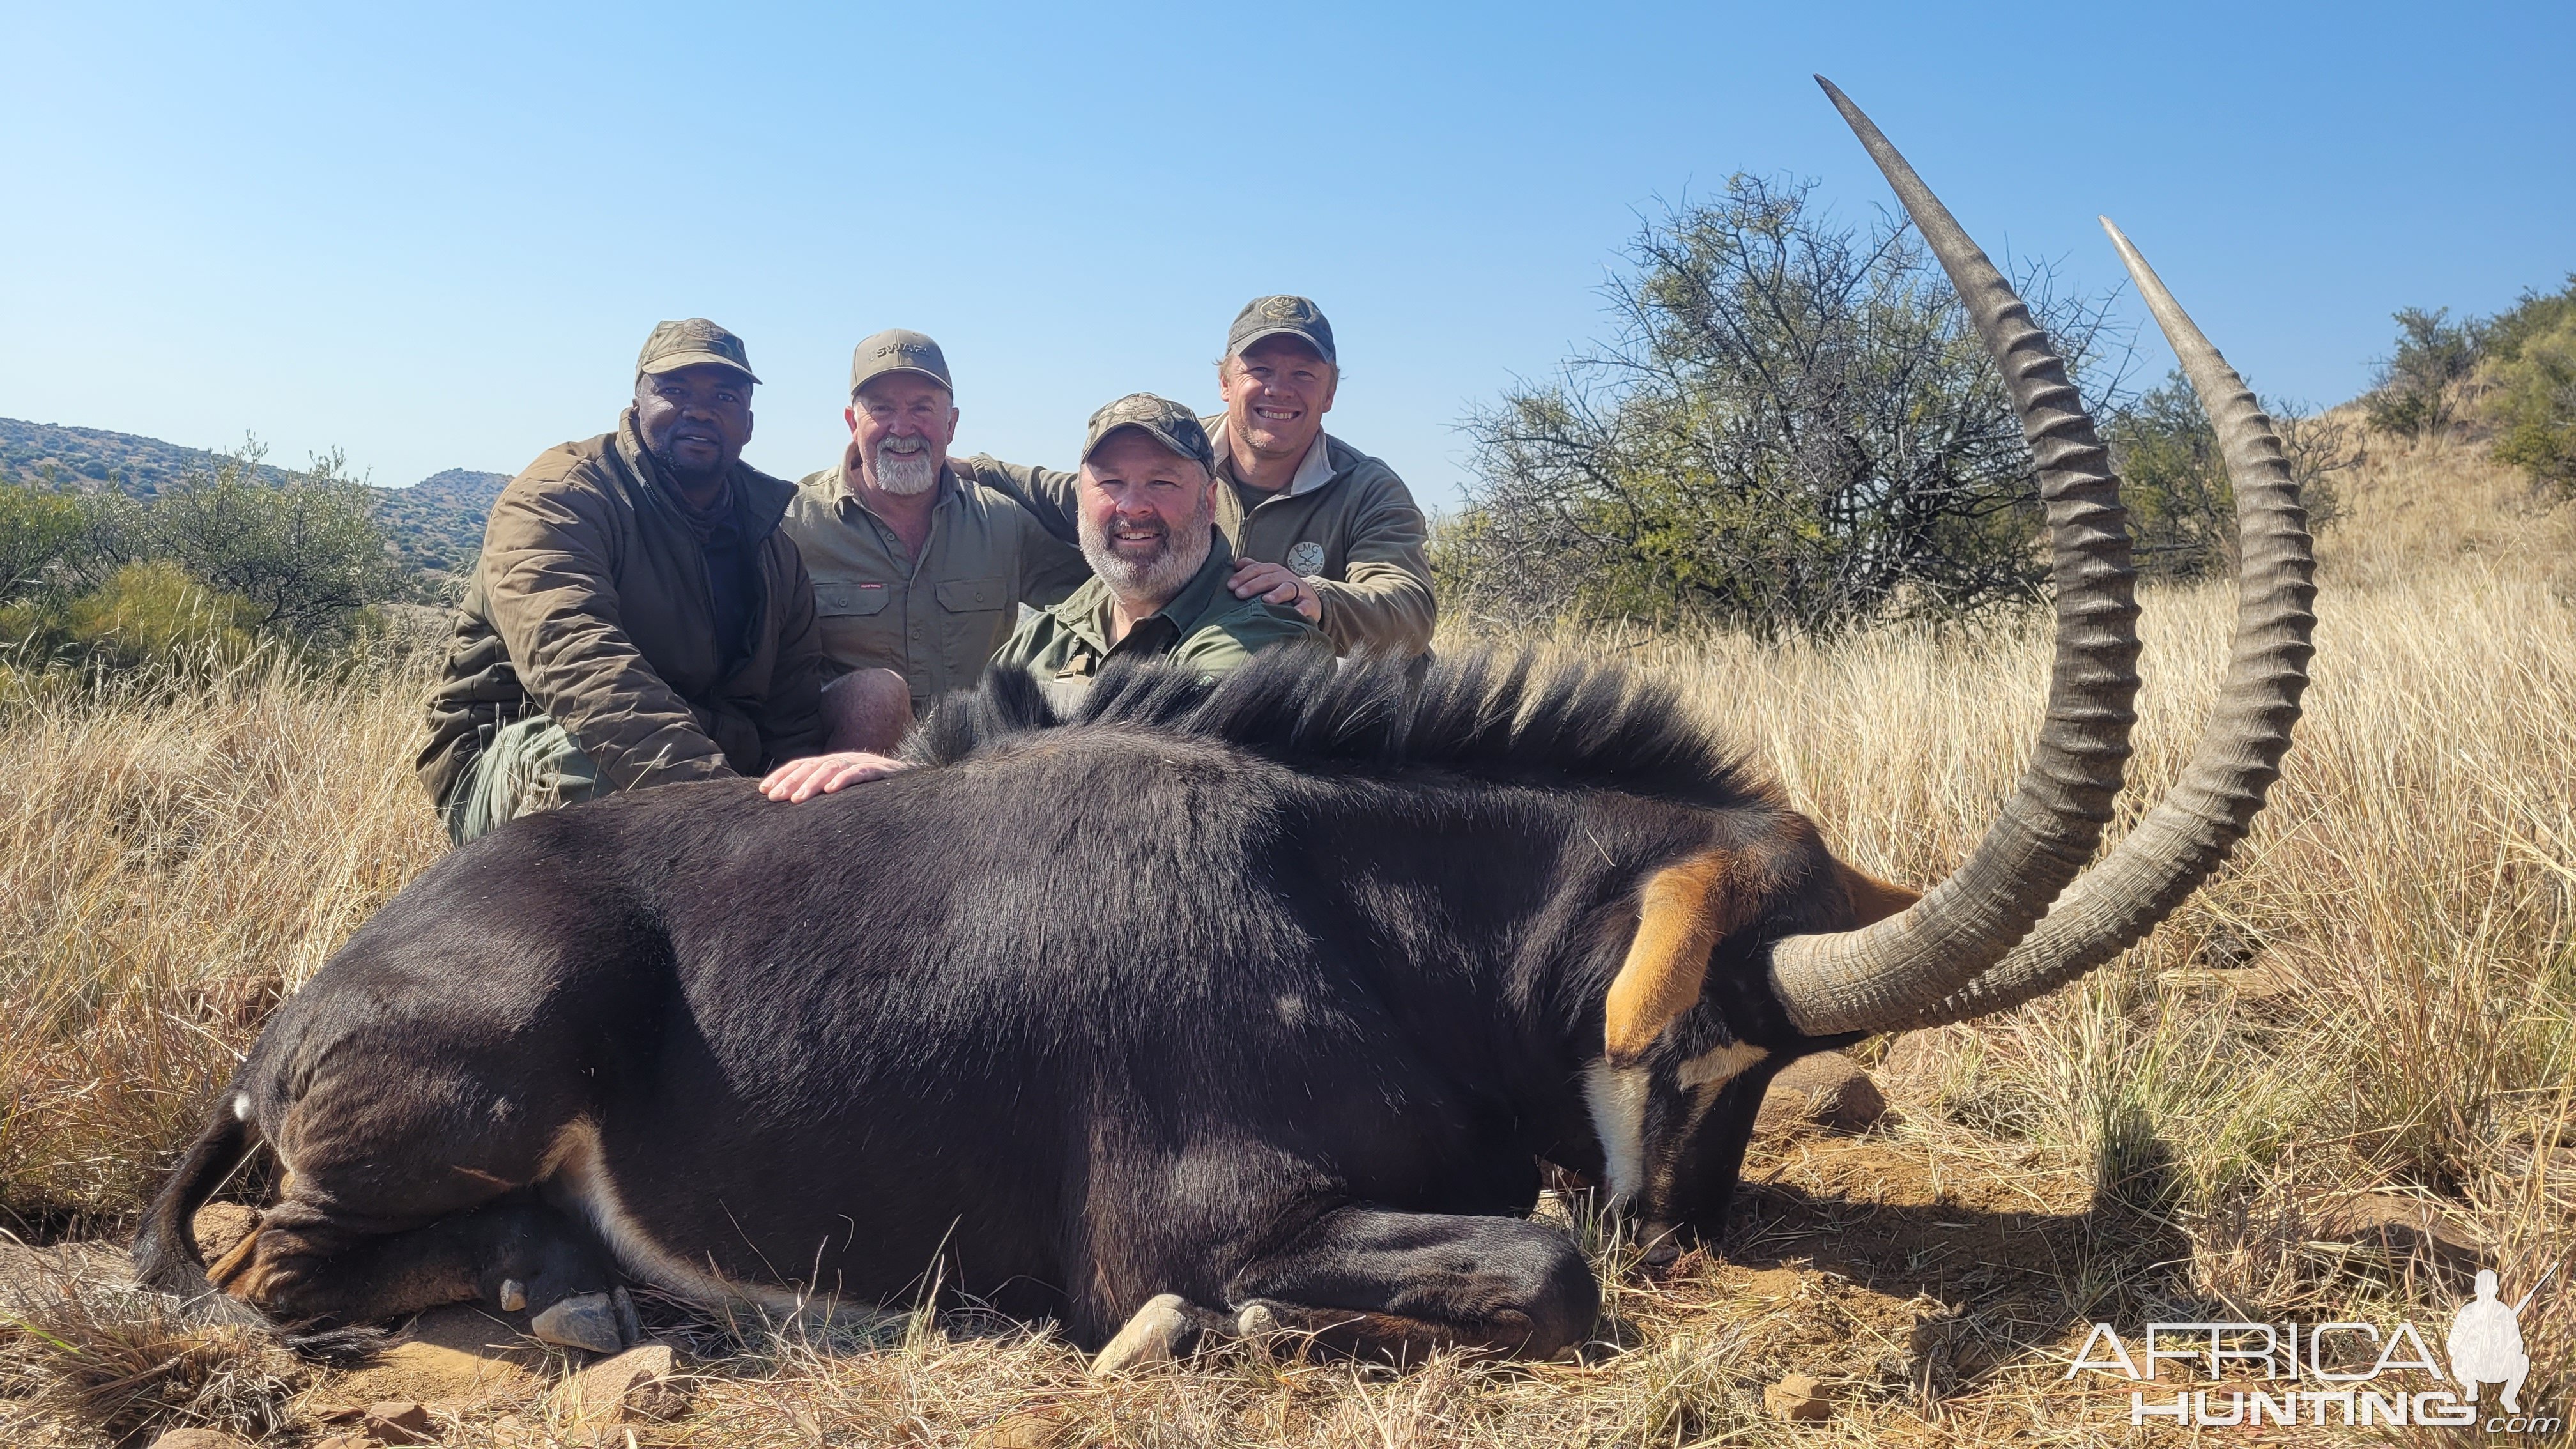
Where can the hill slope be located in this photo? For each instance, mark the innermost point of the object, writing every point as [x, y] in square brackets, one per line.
[435, 524]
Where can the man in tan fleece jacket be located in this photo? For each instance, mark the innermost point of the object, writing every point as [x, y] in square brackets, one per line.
[1315, 524]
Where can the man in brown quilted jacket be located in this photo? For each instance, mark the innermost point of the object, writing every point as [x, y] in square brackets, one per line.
[636, 618]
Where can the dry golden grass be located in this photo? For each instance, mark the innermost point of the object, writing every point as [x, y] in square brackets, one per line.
[2379, 997]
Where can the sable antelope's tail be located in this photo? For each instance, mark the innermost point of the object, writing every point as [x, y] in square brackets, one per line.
[165, 1250]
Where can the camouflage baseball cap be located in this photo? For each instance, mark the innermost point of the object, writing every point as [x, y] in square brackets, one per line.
[1163, 420]
[895, 350]
[1281, 316]
[689, 342]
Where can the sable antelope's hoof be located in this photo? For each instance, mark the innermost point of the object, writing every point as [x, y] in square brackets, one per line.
[1663, 1245]
[1257, 1324]
[630, 1325]
[1153, 1336]
[585, 1321]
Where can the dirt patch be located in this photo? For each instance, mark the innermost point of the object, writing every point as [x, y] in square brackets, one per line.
[458, 1353]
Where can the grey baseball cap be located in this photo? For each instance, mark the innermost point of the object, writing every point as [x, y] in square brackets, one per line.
[1160, 418]
[688, 343]
[896, 350]
[1281, 316]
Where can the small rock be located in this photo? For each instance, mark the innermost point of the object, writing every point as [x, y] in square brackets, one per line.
[220, 1227]
[345, 1441]
[638, 1385]
[1036, 1429]
[587, 1320]
[201, 1439]
[400, 1421]
[330, 1413]
[1827, 1090]
[1799, 1397]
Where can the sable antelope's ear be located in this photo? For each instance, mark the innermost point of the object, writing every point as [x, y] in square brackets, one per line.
[1687, 908]
[1873, 899]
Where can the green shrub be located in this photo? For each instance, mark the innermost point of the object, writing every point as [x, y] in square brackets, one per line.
[145, 615]
[1794, 430]
[2182, 510]
[37, 528]
[306, 553]
[2417, 395]
[2528, 387]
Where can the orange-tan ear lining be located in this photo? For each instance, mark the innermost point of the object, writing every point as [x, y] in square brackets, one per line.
[1687, 907]
[1872, 899]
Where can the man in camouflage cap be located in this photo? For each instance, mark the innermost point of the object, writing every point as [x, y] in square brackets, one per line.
[1147, 517]
[918, 574]
[636, 617]
[1318, 526]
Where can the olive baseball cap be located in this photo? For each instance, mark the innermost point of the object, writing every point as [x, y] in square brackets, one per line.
[1163, 420]
[896, 350]
[1281, 316]
[689, 342]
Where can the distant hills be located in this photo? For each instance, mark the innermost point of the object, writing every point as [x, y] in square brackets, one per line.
[435, 524]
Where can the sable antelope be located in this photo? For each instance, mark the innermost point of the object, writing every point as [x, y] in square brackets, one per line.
[1203, 1010]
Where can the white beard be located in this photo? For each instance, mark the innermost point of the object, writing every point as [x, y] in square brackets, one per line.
[1144, 585]
[906, 474]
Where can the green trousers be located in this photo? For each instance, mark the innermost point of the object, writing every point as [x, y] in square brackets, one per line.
[529, 766]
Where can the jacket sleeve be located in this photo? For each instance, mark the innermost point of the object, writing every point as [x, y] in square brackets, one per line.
[791, 722]
[1052, 498]
[1383, 603]
[550, 586]
[1050, 568]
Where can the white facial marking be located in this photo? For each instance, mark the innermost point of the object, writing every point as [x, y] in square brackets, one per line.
[1616, 1097]
[241, 1106]
[1717, 1068]
[1702, 1077]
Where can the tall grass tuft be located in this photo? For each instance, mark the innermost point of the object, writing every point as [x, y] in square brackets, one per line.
[178, 850]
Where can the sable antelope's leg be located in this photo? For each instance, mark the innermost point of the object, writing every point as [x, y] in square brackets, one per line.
[1372, 1283]
[513, 1254]
[405, 1189]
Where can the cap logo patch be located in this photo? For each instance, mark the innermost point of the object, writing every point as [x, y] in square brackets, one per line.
[1283, 309]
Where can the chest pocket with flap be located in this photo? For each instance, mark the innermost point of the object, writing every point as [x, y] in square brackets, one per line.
[850, 598]
[973, 596]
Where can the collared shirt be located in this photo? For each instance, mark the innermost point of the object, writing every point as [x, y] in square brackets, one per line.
[937, 618]
[1313, 471]
[1203, 625]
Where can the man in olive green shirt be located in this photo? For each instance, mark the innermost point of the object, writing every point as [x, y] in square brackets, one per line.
[1317, 525]
[918, 573]
[1146, 510]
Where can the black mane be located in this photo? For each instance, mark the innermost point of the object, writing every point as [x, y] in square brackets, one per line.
[1490, 715]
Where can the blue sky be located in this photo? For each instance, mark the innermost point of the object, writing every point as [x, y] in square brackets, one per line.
[435, 236]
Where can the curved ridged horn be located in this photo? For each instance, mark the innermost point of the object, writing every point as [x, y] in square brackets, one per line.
[2188, 835]
[1911, 962]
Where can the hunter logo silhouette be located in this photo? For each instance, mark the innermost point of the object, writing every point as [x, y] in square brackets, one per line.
[2486, 1342]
